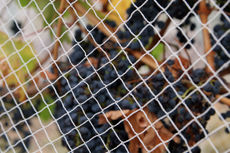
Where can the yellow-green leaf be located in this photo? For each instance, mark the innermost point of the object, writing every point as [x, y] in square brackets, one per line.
[93, 11]
[23, 3]
[158, 51]
[45, 113]
[14, 55]
[121, 6]
[65, 37]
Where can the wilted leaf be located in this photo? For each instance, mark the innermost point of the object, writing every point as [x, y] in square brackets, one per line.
[48, 74]
[147, 59]
[27, 53]
[183, 61]
[111, 115]
[93, 61]
[138, 123]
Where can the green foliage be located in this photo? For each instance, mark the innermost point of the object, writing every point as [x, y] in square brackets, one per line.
[47, 9]
[88, 7]
[26, 52]
[15, 54]
[45, 113]
[24, 3]
[49, 14]
[158, 51]
[65, 37]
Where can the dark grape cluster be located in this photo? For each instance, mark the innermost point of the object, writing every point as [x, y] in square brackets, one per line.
[76, 113]
[97, 82]
[82, 47]
[147, 18]
[179, 9]
[90, 90]
[222, 4]
[93, 92]
[182, 10]
[19, 124]
[181, 110]
[146, 12]
[222, 48]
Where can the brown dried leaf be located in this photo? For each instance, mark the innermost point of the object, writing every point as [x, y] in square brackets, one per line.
[137, 123]
[50, 75]
[176, 66]
[147, 59]
[184, 62]
[92, 60]
[224, 100]
[36, 79]
[111, 115]
[104, 3]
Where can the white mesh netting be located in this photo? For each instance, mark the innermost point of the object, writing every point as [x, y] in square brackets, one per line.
[115, 76]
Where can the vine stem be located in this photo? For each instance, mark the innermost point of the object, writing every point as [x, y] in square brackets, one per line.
[45, 59]
[41, 62]
[57, 44]
[224, 100]
[186, 52]
[204, 12]
[82, 28]
[54, 51]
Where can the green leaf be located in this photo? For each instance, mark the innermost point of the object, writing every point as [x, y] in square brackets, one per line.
[25, 51]
[88, 7]
[65, 37]
[158, 51]
[15, 54]
[24, 3]
[48, 9]
[50, 14]
[45, 113]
